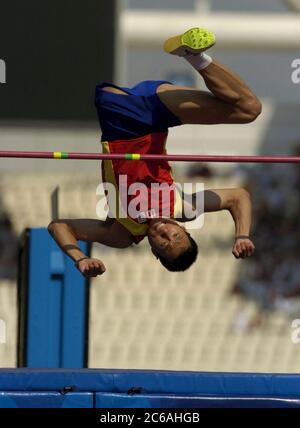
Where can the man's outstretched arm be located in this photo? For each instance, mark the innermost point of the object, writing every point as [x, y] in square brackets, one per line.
[238, 203]
[67, 232]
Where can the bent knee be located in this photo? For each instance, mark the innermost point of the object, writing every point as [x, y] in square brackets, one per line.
[250, 109]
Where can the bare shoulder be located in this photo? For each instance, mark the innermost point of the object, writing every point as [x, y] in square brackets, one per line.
[119, 235]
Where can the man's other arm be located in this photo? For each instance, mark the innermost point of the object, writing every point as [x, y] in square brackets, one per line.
[67, 232]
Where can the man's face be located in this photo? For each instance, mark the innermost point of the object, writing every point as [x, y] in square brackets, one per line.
[167, 238]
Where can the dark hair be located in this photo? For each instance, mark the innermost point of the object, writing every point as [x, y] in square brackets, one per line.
[184, 260]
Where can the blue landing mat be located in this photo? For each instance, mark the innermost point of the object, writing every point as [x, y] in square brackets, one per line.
[147, 388]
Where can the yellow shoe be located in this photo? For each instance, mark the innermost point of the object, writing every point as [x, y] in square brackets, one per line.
[193, 41]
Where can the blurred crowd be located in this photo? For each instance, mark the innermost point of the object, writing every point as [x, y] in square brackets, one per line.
[271, 278]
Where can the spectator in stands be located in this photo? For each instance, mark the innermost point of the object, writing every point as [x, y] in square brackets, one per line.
[200, 170]
[8, 248]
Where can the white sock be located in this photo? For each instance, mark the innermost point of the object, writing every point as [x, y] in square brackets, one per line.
[199, 61]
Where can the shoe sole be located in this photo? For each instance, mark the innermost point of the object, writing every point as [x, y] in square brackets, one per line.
[195, 40]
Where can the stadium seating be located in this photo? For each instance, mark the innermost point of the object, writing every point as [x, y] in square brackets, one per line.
[142, 316]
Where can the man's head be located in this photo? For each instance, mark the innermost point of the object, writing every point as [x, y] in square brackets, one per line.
[172, 244]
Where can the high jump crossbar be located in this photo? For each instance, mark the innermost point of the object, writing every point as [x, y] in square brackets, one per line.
[148, 157]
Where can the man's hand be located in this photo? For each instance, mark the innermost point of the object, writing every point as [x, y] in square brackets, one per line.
[91, 267]
[242, 248]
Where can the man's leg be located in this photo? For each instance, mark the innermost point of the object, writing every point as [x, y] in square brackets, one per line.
[230, 100]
